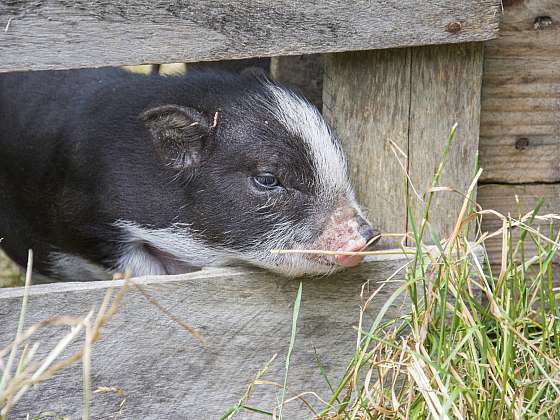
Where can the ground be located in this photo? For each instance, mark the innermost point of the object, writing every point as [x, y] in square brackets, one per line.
[10, 274]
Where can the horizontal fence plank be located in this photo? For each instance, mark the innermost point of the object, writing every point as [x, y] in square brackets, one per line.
[520, 113]
[515, 200]
[59, 34]
[245, 316]
[520, 158]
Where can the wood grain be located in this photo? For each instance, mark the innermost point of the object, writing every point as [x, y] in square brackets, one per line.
[446, 82]
[412, 97]
[90, 33]
[520, 120]
[502, 198]
[304, 73]
[366, 97]
[244, 314]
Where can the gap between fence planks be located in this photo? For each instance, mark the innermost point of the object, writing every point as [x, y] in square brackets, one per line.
[60, 34]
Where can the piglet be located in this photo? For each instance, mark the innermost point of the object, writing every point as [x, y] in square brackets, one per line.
[104, 171]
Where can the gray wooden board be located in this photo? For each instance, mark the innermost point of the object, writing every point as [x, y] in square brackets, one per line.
[446, 84]
[520, 114]
[245, 315]
[517, 200]
[412, 97]
[366, 97]
[60, 34]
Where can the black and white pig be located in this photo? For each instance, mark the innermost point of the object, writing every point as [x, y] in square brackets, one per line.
[104, 171]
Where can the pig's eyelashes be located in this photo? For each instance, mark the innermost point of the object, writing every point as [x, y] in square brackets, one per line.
[266, 182]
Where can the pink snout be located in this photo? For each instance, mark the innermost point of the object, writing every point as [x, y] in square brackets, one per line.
[347, 231]
[368, 236]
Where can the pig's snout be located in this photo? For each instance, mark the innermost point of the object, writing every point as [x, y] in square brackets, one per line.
[366, 235]
[347, 231]
[370, 235]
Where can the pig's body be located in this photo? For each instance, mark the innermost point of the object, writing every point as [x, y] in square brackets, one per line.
[103, 171]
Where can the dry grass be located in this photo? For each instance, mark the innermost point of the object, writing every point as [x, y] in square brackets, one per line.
[473, 344]
[22, 368]
[10, 274]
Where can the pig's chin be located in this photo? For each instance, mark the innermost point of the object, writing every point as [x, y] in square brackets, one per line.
[302, 265]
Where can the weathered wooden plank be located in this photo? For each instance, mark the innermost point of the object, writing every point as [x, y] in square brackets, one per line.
[245, 316]
[412, 97]
[60, 34]
[445, 87]
[519, 158]
[366, 97]
[502, 198]
[301, 72]
[520, 120]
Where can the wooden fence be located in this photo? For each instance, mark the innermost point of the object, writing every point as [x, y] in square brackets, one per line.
[408, 94]
[245, 316]
[520, 115]
[519, 135]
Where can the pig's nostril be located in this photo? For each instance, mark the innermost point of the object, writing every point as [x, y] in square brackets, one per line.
[369, 234]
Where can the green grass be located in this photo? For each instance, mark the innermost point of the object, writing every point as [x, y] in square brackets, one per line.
[482, 344]
[476, 342]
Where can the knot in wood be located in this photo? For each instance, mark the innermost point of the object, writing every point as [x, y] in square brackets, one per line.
[522, 143]
[542, 22]
[454, 27]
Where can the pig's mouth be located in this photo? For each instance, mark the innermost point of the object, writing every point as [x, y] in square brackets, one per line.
[345, 258]
[342, 234]
[314, 261]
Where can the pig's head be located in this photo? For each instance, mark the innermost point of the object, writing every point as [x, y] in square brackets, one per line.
[259, 171]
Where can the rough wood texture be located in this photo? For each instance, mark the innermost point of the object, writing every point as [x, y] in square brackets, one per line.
[245, 316]
[412, 97]
[366, 97]
[502, 199]
[520, 121]
[301, 72]
[60, 34]
[446, 83]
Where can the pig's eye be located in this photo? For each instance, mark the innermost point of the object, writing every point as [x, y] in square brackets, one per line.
[266, 181]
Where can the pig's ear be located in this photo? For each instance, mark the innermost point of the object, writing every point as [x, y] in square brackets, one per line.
[179, 134]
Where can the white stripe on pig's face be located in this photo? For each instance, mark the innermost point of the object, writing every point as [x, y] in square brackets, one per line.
[269, 174]
[304, 121]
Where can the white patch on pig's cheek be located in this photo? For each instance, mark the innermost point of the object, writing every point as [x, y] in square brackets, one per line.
[288, 235]
[177, 242]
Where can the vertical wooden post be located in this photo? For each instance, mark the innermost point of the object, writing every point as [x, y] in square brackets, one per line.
[366, 98]
[446, 87]
[302, 72]
[409, 98]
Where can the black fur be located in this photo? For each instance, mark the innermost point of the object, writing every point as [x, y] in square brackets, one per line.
[80, 149]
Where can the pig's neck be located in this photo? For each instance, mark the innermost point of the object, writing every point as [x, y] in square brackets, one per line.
[157, 251]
